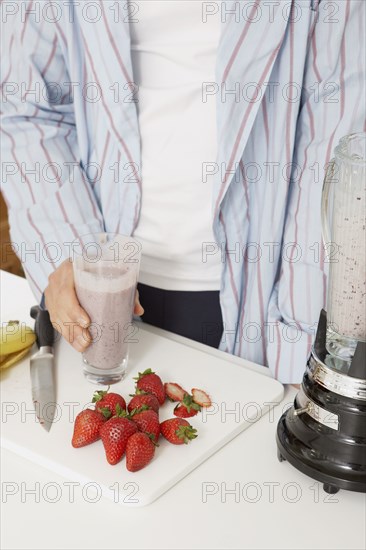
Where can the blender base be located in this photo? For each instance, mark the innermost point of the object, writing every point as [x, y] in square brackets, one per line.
[323, 434]
[302, 457]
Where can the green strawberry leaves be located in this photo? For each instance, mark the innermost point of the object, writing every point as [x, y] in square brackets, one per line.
[138, 392]
[189, 403]
[121, 413]
[187, 433]
[105, 411]
[138, 410]
[98, 395]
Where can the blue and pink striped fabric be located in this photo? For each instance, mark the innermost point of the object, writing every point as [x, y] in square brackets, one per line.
[290, 82]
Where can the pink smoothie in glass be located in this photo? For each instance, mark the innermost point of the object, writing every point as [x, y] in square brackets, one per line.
[108, 296]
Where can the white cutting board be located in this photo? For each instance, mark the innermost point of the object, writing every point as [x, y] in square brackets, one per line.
[241, 396]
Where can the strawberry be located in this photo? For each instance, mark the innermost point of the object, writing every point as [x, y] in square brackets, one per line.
[86, 428]
[106, 402]
[182, 412]
[187, 407]
[147, 421]
[201, 398]
[140, 451]
[174, 392]
[115, 433]
[140, 399]
[177, 431]
[150, 382]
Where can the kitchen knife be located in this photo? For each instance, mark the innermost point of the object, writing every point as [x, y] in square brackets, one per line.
[42, 369]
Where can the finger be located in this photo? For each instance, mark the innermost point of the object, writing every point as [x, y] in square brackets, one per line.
[60, 295]
[138, 310]
[70, 323]
[82, 339]
[75, 312]
[79, 337]
[69, 309]
[73, 333]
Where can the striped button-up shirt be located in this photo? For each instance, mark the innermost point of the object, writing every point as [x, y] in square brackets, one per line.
[289, 83]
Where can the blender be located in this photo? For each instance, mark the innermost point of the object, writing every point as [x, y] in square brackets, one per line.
[324, 433]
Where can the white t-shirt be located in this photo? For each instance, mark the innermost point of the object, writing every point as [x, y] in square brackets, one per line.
[173, 52]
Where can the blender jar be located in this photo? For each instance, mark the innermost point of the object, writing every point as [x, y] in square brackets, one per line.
[343, 223]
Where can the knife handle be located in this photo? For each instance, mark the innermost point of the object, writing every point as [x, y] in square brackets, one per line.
[43, 327]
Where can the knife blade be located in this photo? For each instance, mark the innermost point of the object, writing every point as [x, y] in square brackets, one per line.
[42, 369]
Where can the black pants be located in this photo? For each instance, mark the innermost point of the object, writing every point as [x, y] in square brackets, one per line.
[195, 315]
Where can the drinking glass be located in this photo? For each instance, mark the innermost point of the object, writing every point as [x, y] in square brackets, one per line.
[106, 268]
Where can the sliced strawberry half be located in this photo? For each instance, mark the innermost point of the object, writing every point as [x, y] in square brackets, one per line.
[187, 407]
[174, 391]
[182, 412]
[201, 398]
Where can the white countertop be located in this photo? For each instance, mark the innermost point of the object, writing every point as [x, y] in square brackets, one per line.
[272, 506]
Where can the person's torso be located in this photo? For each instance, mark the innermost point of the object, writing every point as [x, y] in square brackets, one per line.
[173, 53]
